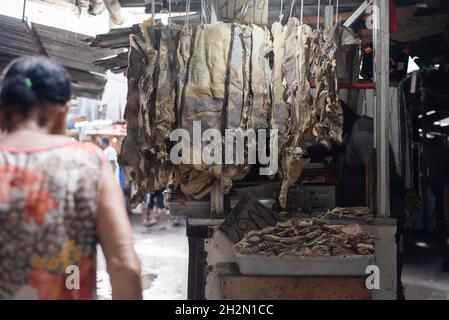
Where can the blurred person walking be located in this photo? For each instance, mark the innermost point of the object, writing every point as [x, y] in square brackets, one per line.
[156, 209]
[111, 155]
[58, 197]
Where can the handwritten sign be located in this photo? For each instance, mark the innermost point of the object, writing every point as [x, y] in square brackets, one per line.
[257, 11]
[249, 214]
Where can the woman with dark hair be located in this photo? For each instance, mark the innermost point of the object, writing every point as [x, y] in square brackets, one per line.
[58, 197]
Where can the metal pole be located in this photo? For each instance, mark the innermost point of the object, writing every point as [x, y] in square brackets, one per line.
[382, 80]
[24, 11]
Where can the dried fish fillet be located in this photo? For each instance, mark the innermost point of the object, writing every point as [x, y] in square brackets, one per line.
[328, 124]
[351, 213]
[205, 99]
[130, 157]
[238, 99]
[296, 70]
[279, 113]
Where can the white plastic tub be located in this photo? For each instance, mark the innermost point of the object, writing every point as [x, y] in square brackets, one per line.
[304, 266]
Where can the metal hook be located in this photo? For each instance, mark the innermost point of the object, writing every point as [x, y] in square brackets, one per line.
[291, 8]
[281, 13]
[201, 12]
[204, 18]
[254, 12]
[187, 13]
[302, 10]
[318, 16]
[336, 12]
[169, 12]
[243, 11]
[153, 9]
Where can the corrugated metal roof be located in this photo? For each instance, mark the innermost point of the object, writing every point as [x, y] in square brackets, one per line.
[68, 48]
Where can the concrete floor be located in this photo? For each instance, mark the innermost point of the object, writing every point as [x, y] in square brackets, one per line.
[423, 277]
[164, 259]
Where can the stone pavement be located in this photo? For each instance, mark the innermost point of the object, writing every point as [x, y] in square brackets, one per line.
[164, 258]
[423, 277]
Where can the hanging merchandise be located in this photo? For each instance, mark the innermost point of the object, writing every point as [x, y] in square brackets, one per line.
[299, 101]
[152, 73]
[220, 77]
[131, 158]
[205, 102]
[279, 110]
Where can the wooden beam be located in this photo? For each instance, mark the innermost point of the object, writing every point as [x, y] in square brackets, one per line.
[294, 288]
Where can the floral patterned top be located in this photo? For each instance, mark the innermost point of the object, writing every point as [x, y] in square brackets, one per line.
[48, 206]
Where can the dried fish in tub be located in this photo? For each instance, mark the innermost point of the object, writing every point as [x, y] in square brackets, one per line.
[313, 237]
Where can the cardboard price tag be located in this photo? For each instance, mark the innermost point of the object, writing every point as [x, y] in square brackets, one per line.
[249, 214]
[257, 11]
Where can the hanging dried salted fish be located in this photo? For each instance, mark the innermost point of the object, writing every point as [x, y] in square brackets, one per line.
[148, 84]
[238, 101]
[327, 107]
[279, 114]
[137, 154]
[260, 78]
[164, 118]
[205, 101]
[183, 56]
[296, 70]
[130, 157]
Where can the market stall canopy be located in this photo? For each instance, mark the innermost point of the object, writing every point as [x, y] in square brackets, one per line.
[68, 48]
[310, 6]
[422, 24]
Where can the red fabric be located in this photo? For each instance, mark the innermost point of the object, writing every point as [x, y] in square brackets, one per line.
[51, 286]
[393, 17]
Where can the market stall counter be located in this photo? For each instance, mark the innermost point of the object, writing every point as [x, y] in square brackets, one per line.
[222, 264]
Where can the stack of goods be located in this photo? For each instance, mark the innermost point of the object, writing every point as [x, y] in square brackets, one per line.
[307, 237]
[352, 213]
[221, 74]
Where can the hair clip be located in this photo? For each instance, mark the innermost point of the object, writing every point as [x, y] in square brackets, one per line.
[28, 83]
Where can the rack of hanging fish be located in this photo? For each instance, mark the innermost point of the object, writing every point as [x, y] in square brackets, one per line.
[228, 76]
